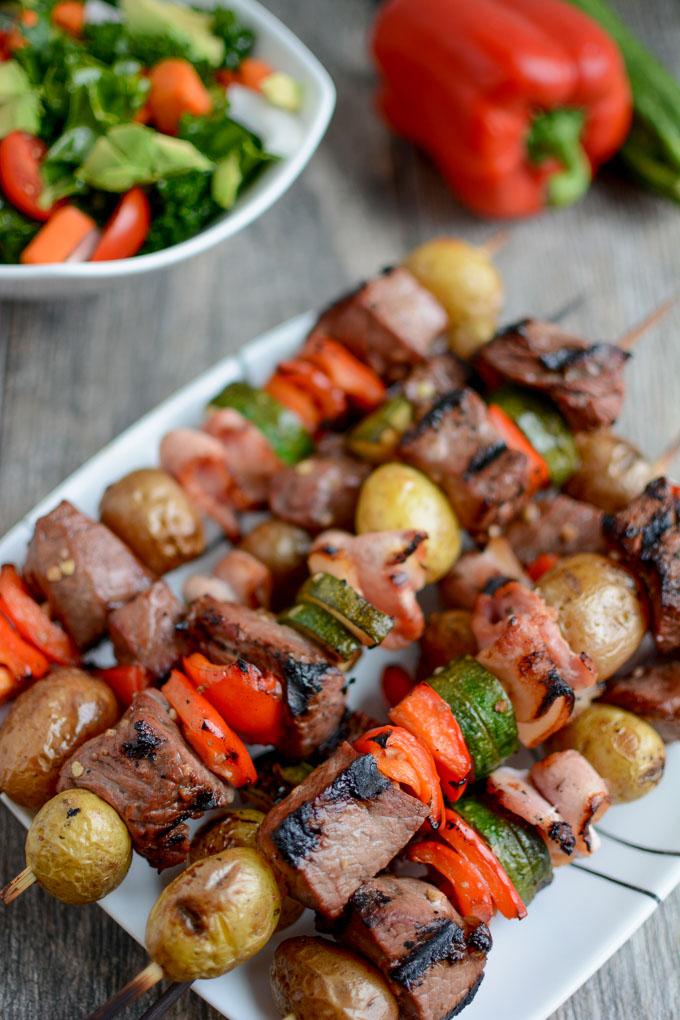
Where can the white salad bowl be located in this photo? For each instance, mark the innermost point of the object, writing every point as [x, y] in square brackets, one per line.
[293, 137]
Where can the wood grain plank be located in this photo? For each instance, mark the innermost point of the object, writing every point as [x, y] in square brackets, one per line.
[74, 373]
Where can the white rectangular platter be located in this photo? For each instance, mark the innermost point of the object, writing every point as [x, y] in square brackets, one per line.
[572, 927]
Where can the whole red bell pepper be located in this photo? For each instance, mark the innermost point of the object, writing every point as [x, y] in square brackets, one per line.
[517, 101]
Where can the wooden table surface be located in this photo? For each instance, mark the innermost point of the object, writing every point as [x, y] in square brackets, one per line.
[74, 373]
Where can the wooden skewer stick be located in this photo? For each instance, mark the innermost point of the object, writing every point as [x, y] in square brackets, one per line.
[665, 459]
[129, 993]
[167, 999]
[20, 883]
[631, 337]
[496, 243]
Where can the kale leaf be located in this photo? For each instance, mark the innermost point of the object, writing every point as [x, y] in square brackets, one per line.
[238, 40]
[182, 206]
[16, 230]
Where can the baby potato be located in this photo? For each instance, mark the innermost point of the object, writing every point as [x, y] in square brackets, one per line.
[599, 609]
[612, 472]
[626, 751]
[219, 912]
[78, 847]
[284, 549]
[447, 636]
[398, 497]
[45, 725]
[152, 514]
[313, 979]
[239, 828]
[465, 281]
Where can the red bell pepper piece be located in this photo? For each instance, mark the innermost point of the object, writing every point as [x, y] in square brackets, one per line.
[513, 437]
[541, 565]
[424, 713]
[396, 684]
[356, 380]
[22, 660]
[463, 838]
[402, 757]
[218, 747]
[295, 399]
[31, 622]
[466, 885]
[517, 101]
[250, 701]
[125, 680]
[329, 398]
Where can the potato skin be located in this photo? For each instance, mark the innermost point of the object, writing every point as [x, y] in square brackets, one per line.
[151, 513]
[284, 549]
[447, 635]
[78, 847]
[398, 497]
[239, 828]
[219, 912]
[612, 472]
[44, 727]
[599, 609]
[313, 979]
[626, 751]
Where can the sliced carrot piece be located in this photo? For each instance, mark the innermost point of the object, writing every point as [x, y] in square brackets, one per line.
[60, 236]
[69, 16]
[176, 89]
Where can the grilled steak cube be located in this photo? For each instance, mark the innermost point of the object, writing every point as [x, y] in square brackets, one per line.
[653, 693]
[585, 380]
[647, 535]
[557, 524]
[143, 630]
[433, 961]
[391, 322]
[83, 570]
[144, 769]
[313, 688]
[339, 827]
[318, 493]
[432, 379]
[456, 445]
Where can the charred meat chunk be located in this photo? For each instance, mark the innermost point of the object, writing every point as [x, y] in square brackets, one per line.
[340, 826]
[433, 961]
[313, 688]
[653, 693]
[556, 524]
[585, 380]
[143, 630]
[432, 379]
[83, 570]
[144, 769]
[647, 536]
[318, 493]
[391, 322]
[456, 445]
[471, 574]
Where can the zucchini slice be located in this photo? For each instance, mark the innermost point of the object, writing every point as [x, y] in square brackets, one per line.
[515, 843]
[281, 428]
[320, 626]
[376, 437]
[483, 710]
[368, 624]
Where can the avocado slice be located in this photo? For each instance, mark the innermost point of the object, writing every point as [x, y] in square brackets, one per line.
[189, 27]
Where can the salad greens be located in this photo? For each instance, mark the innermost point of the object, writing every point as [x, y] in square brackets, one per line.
[87, 100]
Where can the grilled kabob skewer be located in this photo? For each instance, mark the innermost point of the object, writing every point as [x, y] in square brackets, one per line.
[632, 335]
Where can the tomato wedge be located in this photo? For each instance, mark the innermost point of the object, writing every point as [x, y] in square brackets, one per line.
[20, 157]
[424, 713]
[31, 622]
[125, 681]
[359, 382]
[218, 747]
[126, 231]
[515, 439]
[249, 700]
[468, 889]
[402, 757]
[463, 838]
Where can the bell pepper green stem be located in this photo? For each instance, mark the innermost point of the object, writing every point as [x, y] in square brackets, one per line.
[557, 135]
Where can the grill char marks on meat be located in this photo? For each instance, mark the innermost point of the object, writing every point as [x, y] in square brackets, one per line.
[345, 822]
[83, 570]
[585, 380]
[143, 631]
[653, 693]
[647, 535]
[318, 493]
[456, 445]
[432, 960]
[434, 378]
[556, 524]
[391, 322]
[144, 769]
[313, 688]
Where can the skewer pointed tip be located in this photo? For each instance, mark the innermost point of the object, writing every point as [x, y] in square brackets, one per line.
[496, 242]
[169, 997]
[664, 461]
[129, 993]
[19, 884]
[631, 337]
